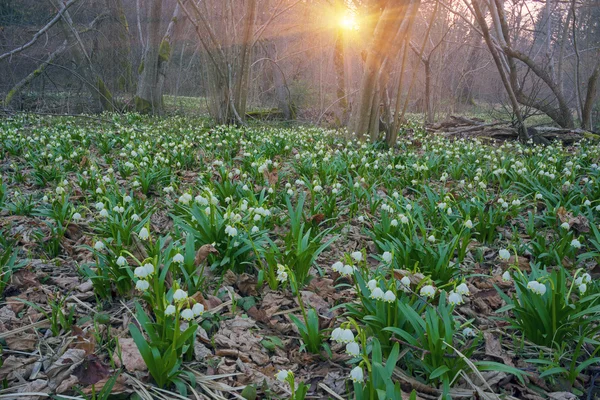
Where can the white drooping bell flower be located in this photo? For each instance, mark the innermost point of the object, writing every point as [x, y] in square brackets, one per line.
[187, 314]
[387, 257]
[178, 258]
[463, 289]
[357, 256]
[389, 296]
[180, 295]
[536, 287]
[357, 374]
[455, 298]
[198, 309]
[504, 254]
[144, 234]
[142, 285]
[170, 310]
[121, 261]
[353, 349]
[377, 294]
[282, 375]
[427, 291]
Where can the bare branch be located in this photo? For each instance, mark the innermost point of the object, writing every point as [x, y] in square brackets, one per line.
[39, 33]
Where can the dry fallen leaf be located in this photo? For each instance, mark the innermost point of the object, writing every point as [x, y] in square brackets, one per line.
[131, 356]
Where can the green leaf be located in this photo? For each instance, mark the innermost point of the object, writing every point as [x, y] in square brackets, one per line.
[439, 371]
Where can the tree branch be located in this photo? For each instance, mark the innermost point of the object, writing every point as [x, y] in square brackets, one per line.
[39, 33]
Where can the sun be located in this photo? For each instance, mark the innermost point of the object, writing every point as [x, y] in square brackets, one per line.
[348, 22]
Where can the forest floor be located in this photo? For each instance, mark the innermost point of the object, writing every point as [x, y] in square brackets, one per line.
[161, 258]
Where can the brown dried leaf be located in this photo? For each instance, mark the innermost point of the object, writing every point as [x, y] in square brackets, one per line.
[203, 253]
[23, 342]
[91, 370]
[493, 348]
[131, 356]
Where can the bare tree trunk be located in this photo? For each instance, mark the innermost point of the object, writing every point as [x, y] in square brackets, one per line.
[165, 52]
[340, 77]
[523, 135]
[590, 98]
[429, 117]
[123, 51]
[148, 97]
[243, 78]
[387, 27]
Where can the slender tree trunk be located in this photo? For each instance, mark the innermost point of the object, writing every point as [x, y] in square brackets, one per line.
[166, 50]
[340, 77]
[243, 78]
[387, 26]
[590, 98]
[148, 97]
[522, 129]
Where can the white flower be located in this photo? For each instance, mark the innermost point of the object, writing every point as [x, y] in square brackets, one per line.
[104, 213]
[582, 288]
[144, 234]
[536, 287]
[121, 261]
[170, 310]
[178, 258]
[468, 332]
[76, 216]
[357, 256]
[463, 289]
[427, 291]
[180, 295]
[389, 296]
[586, 278]
[506, 276]
[387, 257]
[198, 309]
[357, 374]
[254, 229]
[377, 294]
[99, 246]
[469, 224]
[361, 218]
[282, 276]
[455, 298]
[431, 238]
[372, 284]
[565, 225]
[140, 272]
[587, 203]
[142, 285]
[353, 349]
[539, 196]
[282, 375]
[405, 282]
[576, 243]
[149, 268]
[338, 266]
[135, 217]
[231, 231]
[346, 336]
[187, 314]
[347, 270]
[336, 333]
[504, 254]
